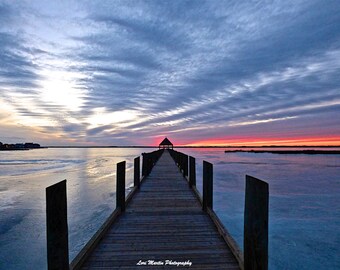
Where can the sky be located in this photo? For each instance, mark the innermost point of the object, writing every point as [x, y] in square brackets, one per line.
[197, 72]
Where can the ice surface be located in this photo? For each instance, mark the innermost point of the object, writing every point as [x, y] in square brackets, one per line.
[24, 175]
[304, 213]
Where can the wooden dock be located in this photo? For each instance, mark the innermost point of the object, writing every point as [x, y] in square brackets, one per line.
[164, 221]
[163, 224]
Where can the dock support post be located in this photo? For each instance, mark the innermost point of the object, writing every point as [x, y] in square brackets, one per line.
[146, 164]
[256, 224]
[207, 185]
[120, 186]
[145, 161]
[192, 171]
[136, 175]
[185, 165]
[57, 229]
[151, 162]
[177, 159]
[180, 161]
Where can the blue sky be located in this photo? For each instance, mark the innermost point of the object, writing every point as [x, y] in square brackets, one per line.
[132, 72]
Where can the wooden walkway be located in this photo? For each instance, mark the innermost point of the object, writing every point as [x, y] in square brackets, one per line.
[163, 224]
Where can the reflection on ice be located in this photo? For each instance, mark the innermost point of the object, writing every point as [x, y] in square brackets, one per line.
[90, 175]
[304, 202]
[9, 198]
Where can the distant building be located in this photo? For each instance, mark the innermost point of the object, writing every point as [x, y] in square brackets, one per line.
[166, 144]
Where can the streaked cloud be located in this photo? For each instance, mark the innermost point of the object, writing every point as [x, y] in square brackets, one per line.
[254, 122]
[127, 72]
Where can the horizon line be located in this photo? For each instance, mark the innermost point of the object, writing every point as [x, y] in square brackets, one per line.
[188, 146]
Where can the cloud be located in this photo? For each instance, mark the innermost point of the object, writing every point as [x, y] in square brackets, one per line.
[195, 69]
[15, 68]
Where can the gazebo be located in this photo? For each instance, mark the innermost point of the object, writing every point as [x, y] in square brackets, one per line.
[166, 144]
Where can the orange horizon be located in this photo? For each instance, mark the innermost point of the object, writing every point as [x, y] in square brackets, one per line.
[307, 141]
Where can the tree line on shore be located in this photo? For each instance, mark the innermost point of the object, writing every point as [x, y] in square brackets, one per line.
[19, 146]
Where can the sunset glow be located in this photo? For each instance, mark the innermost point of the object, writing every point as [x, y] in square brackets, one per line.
[59, 88]
[331, 141]
[101, 117]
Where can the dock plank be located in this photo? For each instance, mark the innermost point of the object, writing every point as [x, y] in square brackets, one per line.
[164, 221]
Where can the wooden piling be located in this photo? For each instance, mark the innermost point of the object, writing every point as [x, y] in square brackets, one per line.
[136, 175]
[57, 229]
[180, 161]
[256, 224]
[192, 171]
[146, 164]
[207, 185]
[177, 158]
[144, 155]
[120, 186]
[185, 165]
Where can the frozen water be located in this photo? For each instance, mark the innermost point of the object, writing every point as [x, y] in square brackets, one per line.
[304, 214]
[304, 201]
[24, 175]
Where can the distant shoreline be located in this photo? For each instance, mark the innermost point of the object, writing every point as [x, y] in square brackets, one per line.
[18, 149]
[293, 152]
[201, 146]
[23, 149]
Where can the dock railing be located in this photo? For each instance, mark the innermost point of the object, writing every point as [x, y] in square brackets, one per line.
[255, 243]
[255, 255]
